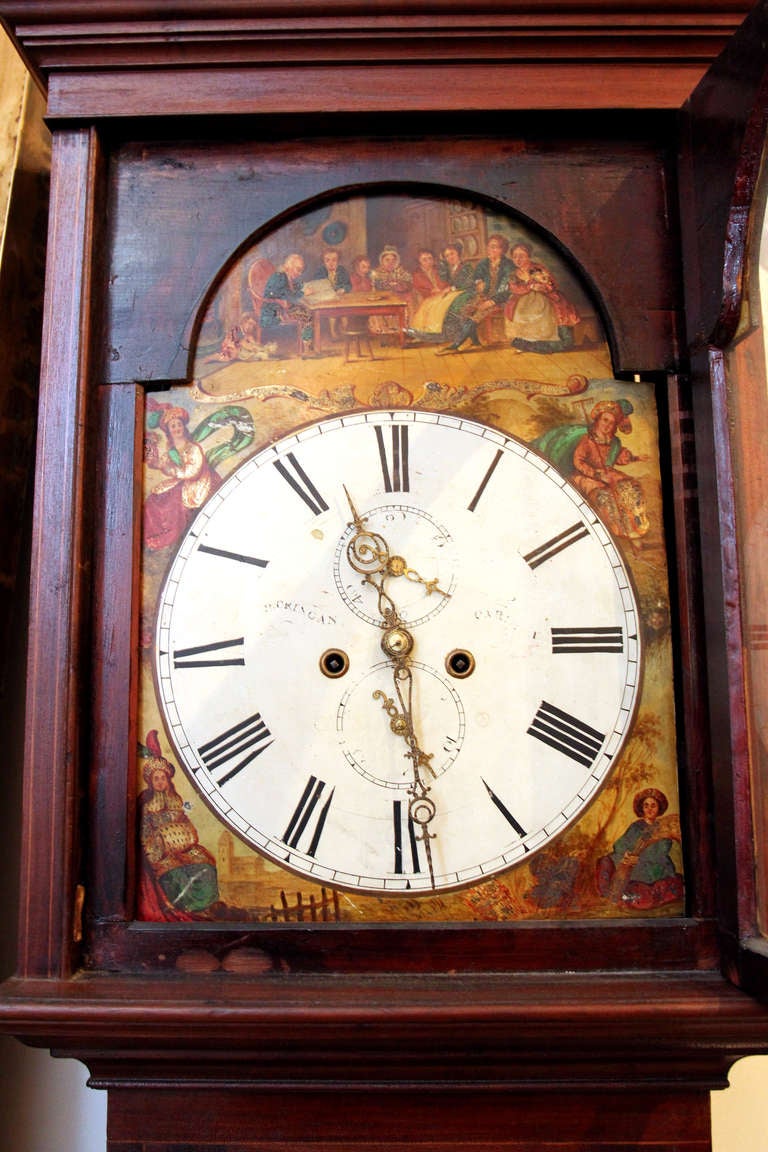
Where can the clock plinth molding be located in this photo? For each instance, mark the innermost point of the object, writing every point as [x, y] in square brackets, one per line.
[571, 1035]
[495, 1061]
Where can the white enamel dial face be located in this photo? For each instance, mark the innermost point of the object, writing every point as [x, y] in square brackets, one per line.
[282, 704]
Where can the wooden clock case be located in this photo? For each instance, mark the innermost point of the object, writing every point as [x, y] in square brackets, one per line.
[579, 1035]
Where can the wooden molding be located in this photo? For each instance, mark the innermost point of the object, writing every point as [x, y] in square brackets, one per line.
[393, 1030]
[607, 53]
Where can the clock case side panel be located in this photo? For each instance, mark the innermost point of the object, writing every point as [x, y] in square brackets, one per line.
[723, 134]
[112, 840]
[115, 942]
[57, 717]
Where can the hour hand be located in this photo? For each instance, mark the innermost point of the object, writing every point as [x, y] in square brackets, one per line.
[357, 519]
[370, 554]
[398, 566]
[367, 552]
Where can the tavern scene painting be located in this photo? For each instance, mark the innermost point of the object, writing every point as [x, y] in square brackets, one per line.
[437, 303]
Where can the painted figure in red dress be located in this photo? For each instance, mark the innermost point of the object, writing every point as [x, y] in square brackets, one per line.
[538, 317]
[188, 479]
[590, 457]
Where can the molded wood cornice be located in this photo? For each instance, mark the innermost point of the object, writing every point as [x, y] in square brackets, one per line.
[98, 59]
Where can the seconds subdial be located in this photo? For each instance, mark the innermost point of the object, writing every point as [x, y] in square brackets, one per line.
[370, 702]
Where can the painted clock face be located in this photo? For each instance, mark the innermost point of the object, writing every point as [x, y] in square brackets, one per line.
[397, 652]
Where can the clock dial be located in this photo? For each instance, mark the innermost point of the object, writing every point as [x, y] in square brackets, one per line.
[421, 718]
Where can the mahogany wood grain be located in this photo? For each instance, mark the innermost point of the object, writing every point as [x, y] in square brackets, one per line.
[729, 707]
[59, 564]
[450, 1121]
[744, 369]
[723, 129]
[393, 1031]
[693, 716]
[429, 13]
[115, 622]
[239, 91]
[598, 946]
[239, 58]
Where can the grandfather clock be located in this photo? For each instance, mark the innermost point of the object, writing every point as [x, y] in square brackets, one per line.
[395, 769]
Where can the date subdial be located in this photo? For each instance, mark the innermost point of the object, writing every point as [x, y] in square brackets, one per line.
[369, 722]
[421, 575]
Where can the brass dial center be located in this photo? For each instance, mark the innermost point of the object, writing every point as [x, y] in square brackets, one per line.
[397, 642]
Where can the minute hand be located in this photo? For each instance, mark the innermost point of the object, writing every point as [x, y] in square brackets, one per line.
[397, 643]
[369, 554]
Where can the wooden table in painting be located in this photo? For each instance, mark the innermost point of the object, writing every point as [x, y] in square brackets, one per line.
[360, 305]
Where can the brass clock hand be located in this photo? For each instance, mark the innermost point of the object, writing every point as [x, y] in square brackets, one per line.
[368, 553]
[421, 808]
[357, 519]
[398, 566]
[397, 644]
[401, 719]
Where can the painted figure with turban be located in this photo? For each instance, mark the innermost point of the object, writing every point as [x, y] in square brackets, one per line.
[179, 880]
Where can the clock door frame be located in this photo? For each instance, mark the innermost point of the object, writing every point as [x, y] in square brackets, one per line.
[688, 943]
[721, 239]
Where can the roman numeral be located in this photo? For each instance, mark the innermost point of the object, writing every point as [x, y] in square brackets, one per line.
[301, 483]
[406, 841]
[394, 470]
[302, 816]
[483, 483]
[563, 540]
[202, 656]
[236, 747]
[567, 734]
[566, 640]
[240, 557]
[501, 806]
